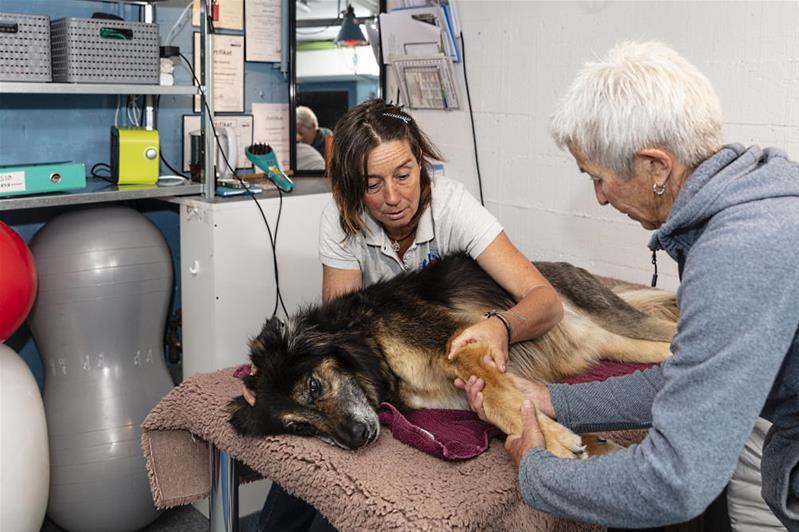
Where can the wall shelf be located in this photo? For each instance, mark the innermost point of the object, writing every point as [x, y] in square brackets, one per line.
[98, 191]
[22, 87]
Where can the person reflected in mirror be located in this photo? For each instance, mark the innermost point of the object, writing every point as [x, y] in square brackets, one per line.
[389, 216]
[308, 158]
[644, 125]
[308, 130]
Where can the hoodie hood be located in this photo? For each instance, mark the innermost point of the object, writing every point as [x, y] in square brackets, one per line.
[732, 176]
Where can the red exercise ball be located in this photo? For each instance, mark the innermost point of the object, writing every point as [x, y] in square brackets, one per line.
[17, 281]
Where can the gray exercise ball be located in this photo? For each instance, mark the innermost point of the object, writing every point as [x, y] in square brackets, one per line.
[105, 281]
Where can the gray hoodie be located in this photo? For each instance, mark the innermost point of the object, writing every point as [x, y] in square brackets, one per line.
[734, 231]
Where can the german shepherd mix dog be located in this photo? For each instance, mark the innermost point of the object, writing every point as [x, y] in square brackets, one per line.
[325, 371]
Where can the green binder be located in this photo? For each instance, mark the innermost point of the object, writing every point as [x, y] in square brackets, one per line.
[18, 180]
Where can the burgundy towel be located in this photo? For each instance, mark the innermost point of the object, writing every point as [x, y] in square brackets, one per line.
[447, 434]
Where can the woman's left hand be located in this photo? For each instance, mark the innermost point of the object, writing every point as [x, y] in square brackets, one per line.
[531, 436]
[491, 332]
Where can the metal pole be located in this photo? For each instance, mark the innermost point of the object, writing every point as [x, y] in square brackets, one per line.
[149, 100]
[207, 99]
[223, 508]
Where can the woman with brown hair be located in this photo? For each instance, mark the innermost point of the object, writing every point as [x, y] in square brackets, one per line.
[389, 216]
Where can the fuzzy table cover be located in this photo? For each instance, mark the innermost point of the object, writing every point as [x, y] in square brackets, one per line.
[385, 486]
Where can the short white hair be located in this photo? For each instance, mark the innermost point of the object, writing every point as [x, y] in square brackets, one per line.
[306, 117]
[641, 95]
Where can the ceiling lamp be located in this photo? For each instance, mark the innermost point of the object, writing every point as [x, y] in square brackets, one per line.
[350, 34]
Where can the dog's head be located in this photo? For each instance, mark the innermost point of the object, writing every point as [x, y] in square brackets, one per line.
[311, 382]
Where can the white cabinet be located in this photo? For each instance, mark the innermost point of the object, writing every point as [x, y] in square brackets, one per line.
[228, 279]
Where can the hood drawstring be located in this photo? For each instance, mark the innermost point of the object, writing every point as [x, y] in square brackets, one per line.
[655, 264]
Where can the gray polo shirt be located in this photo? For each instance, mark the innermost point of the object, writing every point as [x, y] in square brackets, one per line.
[454, 222]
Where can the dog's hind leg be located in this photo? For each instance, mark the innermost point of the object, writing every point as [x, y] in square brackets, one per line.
[502, 403]
[622, 349]
[655, 303]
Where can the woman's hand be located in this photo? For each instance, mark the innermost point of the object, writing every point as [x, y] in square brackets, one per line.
[474, 393]
[532, 391]
[530, 438]
[248, 394]
[490, 331]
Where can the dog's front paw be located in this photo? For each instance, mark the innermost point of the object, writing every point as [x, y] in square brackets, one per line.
[560, 441]
[567, 445]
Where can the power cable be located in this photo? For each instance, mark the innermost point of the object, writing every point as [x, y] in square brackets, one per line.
[471, 117]
[272, 238]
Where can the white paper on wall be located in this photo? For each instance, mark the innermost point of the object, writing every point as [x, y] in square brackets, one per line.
[271, 126]
[262, 30]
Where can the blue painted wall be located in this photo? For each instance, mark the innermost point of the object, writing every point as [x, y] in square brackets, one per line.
[48, 127]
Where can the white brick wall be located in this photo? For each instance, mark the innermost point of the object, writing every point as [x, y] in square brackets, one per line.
[522, 55]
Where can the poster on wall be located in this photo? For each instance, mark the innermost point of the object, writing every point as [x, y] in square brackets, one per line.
[271, 126]
[241, 124]
[262, 30]
[231, 14]
[228, 72]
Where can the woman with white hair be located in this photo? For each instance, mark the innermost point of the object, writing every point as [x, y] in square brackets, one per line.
[645, 126]
[309, 132]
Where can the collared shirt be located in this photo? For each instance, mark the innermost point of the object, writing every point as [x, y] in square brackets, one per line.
[453, 222]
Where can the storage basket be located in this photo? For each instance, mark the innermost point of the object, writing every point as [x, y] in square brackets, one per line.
[24, 47]
[104, 51]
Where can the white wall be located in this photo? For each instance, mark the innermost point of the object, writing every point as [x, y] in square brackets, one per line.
[522, 55]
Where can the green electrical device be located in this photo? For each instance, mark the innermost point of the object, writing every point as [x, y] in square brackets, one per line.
[40, 178]
[134, 156]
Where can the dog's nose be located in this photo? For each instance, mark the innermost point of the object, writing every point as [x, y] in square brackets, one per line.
[359, 434]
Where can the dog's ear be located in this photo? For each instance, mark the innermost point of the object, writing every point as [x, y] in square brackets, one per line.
[244, 418]
[270, 339]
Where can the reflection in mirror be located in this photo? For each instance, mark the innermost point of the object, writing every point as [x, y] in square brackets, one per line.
[335, 68]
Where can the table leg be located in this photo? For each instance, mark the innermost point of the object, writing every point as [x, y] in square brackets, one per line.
[224, 498]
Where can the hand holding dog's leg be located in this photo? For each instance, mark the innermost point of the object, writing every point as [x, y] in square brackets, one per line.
[499, 401]
[474, 393]
[535, 392]
[492, 334]
[531, 436]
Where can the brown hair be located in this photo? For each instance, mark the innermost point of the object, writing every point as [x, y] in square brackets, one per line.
[357, 133]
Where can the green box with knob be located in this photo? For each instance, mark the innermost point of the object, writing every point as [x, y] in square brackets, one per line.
[134, 156]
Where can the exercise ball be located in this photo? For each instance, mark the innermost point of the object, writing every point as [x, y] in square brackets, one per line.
[17, 281]
[105, 282]
[24, 460]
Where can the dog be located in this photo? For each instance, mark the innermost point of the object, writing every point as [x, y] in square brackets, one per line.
[324, 371]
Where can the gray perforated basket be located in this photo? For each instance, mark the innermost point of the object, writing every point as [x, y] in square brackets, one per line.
[104, 51]
[24, 47]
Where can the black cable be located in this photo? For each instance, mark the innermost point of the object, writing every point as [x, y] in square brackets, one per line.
[272, 239]
[471, 117]
[101, 166]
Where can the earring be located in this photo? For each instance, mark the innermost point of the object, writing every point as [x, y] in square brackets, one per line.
[658, 189]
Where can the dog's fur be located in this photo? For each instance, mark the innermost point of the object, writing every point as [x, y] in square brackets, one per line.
[326, 370]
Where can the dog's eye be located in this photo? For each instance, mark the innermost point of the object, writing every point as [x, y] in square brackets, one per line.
[314, 388]
[300, 428]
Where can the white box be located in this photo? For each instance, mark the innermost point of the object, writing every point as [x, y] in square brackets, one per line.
[228, 279]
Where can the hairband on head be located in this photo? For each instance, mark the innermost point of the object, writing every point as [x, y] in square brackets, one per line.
[404, 118]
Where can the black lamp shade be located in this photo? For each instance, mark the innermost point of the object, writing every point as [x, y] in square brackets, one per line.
[350, 33]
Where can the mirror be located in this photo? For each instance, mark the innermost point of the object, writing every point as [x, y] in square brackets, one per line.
[328, 78]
